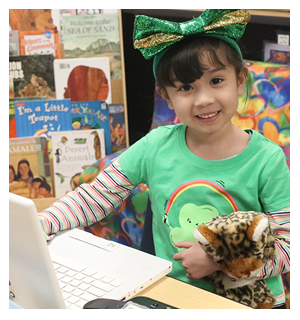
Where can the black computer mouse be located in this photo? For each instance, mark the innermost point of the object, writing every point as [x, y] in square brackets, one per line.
[104, 304]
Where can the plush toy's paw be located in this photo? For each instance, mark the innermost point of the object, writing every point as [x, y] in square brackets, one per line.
[217, 279]
[242, 295]
[265, 305]
[263, 296]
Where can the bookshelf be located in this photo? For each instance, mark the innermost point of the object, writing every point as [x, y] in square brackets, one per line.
[17, 20]
[123, 77]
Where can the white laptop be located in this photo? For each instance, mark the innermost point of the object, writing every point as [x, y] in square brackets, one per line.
[75, 267]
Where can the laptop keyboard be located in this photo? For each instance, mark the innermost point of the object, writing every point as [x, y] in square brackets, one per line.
[80, 285]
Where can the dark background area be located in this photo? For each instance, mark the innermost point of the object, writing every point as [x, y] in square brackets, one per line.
[140, 83]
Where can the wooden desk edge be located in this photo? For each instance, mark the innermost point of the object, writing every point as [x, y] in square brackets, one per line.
[184, 296]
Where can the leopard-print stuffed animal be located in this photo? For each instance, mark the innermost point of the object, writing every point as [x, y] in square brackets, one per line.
[240, 244]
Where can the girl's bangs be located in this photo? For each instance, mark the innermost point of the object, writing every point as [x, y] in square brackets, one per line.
[186, 61]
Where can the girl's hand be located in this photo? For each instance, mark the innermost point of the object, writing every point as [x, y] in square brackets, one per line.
[195, 260]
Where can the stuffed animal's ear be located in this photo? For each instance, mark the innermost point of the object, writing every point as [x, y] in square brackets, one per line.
[204, 235]
[257, 227]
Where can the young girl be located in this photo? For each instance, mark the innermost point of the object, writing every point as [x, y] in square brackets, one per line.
[24, 171]
[12, 174]
[200, 168]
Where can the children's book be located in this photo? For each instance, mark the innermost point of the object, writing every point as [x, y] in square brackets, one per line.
[40, 42]
[11, 87]
[73, 12]
[12, 119]
[87, 36]
[96, 35]
[117, 127]
[33, 19]
[33, 75]
[73, 151]
[86, 79]
[14, 44]
[29, 167]
[42, 117]
[92, 115]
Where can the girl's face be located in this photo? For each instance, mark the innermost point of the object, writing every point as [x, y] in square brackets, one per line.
[43, 191]
[11, 175]
[36, 185]
[23, 169]
[207, 105]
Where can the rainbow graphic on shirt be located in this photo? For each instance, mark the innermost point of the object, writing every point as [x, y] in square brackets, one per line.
[199, 183]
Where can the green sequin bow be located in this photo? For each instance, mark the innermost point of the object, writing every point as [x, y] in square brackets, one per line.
[152, 35]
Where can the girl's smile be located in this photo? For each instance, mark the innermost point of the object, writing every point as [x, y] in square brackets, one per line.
[208, 117]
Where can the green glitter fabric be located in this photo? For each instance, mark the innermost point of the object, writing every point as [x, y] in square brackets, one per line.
[152, 36]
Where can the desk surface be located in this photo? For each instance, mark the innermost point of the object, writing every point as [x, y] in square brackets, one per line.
[184, 296]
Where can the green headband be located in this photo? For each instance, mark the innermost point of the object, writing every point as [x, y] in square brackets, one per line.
[152, 36]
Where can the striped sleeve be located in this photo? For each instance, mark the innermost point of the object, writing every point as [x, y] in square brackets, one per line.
[280, 225]
[89, 203]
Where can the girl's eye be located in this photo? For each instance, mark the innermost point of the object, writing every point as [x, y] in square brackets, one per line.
[216, 81]
[185, 87]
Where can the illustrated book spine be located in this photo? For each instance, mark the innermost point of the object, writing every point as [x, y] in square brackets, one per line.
[33, 75]
[14, 43]
[12, 120]
[29, 167]
[74, 151]
[92, 115]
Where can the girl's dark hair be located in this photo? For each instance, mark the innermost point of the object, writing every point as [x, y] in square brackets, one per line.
[13, 170]
[30, 174]
[46, 186]
[40, 179]
[181, 61]
[37, 180]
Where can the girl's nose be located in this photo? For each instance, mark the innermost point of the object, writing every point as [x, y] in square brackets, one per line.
[203, 98]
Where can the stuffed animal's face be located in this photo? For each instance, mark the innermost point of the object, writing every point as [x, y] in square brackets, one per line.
[239, 243]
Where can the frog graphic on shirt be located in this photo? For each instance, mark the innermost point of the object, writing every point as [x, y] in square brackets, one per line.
[190, 216]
